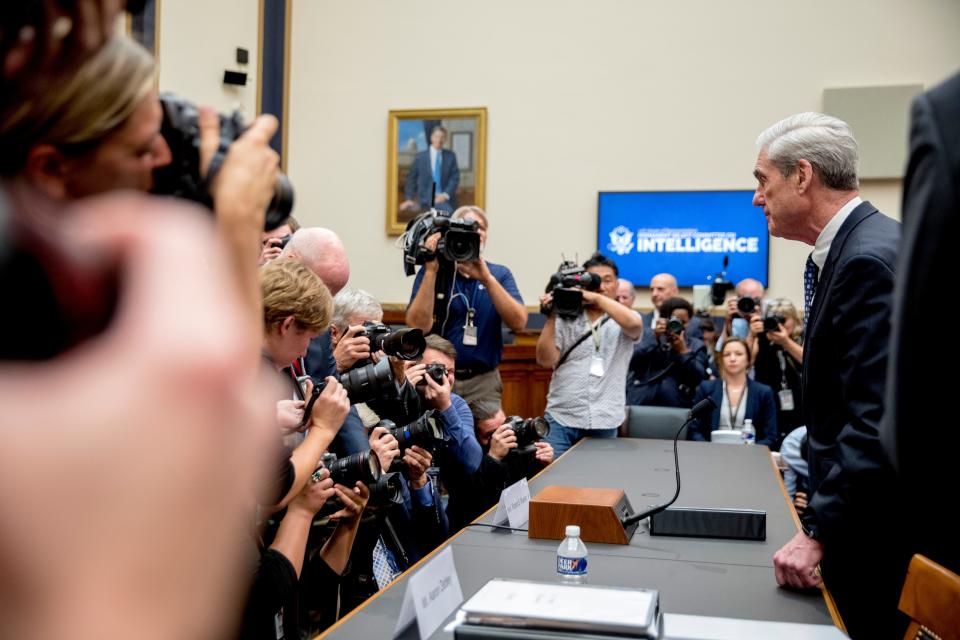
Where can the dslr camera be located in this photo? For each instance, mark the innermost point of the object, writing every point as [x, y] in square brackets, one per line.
[459, 240]
[719, 285]
[437, 371]
[567, 286]
[773, 322]
[181, 178]
[528, 431]
[367, 383]
[425, 432]
[360, 467]
[405, 344]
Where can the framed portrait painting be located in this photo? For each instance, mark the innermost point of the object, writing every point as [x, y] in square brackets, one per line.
[435, 157]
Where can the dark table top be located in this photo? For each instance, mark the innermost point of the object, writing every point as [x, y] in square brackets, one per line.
[729, 578]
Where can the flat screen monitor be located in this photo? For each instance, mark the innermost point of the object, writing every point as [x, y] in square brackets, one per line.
[685, 233]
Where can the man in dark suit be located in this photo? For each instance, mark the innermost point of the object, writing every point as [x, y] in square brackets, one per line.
[435, 165]
[919, 430]
[807, 185]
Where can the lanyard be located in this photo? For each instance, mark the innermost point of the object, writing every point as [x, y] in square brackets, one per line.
[783, 369]
[471, 305]
[594, 326]
[734, 411]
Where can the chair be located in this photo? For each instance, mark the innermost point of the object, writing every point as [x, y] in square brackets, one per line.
[656, 423]
[931, 597]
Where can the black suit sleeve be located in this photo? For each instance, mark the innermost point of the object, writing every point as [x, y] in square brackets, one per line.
[861, 295]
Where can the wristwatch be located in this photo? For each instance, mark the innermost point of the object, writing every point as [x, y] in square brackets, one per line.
[810, 530]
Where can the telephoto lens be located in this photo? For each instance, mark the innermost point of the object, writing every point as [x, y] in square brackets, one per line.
[386, 491]
[405, 344]
[363, 466]
[425, 432]
[370, 382]
[528, 431]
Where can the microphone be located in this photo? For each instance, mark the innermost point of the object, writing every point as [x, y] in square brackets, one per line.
[705, 405]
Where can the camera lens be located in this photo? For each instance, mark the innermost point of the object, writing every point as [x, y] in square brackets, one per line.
[528, 431]
[674, 325]
[423, 432]
[406, 344]
[386, 491]
[461, 246]
[370, 382]
[359, 467]
[746, 305]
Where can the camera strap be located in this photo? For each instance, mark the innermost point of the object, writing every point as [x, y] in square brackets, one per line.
[566, 354]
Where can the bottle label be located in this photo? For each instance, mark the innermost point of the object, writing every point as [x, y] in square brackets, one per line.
[571, 566]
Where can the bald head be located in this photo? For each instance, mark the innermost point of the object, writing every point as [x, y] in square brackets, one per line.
[663, 286]
[626, 295]
[750, 288]
[322, 251]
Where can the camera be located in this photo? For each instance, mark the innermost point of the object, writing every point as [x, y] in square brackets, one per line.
[425, 432]
[181, 178]
[719, 286]
[567, 286]
[437, 371]
[367, 383]
[386, 491]
[406, 344]
[459, 240]
[528, 430]
[674, 325]
[747, 306]
[363, 466]
[773, 322]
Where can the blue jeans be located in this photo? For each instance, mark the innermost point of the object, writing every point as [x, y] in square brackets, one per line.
[562, 438]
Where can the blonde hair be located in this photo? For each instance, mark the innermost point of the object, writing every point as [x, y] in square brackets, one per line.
[462, 212]
[290, 289]
[88, 106]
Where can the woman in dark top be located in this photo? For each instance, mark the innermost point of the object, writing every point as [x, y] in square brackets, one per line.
[737, 398]
[778, 360]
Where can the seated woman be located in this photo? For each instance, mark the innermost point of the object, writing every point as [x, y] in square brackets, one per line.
[737, 398]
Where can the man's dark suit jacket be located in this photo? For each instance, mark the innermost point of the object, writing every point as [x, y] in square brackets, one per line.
[844, 374]
[761, 408]
[919, 430]
[419, 185]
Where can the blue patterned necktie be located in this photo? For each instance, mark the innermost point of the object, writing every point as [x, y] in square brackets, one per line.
[385, 567]
[436, 171]
[810, 275]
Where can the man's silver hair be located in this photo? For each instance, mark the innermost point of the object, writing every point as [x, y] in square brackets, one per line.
[354, 302]
[824, 141]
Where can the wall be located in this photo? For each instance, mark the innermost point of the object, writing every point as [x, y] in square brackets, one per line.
[198, 40]
[582, 96]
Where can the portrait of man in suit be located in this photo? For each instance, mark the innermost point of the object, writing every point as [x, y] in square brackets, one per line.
[808, 186]
[442, 150]
[435, 166]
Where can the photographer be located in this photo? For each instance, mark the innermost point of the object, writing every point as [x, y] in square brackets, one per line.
[589, 355]
[482, 295]
[273, 242]
[296, 308]
[665, 371]
[740, 308]
[503, 462]
[778, 361]
[99, 131]
[273, 603]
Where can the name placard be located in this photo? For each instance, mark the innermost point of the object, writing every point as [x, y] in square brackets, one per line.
[514, 507]
[433, 593]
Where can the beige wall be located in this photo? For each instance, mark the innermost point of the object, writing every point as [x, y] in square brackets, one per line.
[198, 40]
[582, 96]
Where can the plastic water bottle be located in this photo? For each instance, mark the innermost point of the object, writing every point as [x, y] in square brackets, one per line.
[748, 435]
[572, 557]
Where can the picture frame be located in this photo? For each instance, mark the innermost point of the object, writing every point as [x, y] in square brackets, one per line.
[460, 162]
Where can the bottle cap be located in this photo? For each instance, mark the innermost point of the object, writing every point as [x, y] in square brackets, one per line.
[573, 531]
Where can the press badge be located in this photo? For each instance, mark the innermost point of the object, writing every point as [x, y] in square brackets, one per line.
[470, 330]
[786, 399]
[596, 365]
